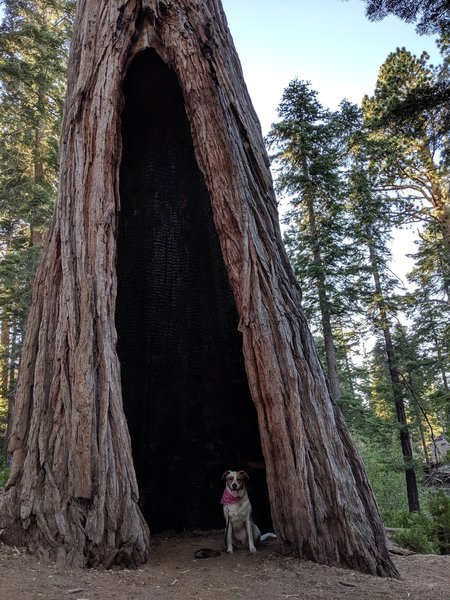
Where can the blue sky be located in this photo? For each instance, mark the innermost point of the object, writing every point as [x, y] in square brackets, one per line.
[330, 43]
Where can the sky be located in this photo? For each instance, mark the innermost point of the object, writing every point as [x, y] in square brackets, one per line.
[330, 43]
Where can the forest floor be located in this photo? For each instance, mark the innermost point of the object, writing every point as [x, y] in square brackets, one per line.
[173, 573]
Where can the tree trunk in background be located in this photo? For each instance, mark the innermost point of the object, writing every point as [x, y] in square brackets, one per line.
[72, 492]
[405, 440]
[325, 318]
[36, 233]
[4, 385]
[4, 361]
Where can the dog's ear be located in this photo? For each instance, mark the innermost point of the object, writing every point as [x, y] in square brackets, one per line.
[225, 475]
[244, 474]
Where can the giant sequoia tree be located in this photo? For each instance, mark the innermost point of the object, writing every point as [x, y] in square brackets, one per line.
[166, 326]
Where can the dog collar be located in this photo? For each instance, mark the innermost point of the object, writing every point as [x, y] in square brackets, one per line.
[228, 498]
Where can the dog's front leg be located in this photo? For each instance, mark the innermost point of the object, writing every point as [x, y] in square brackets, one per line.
[251, 542]
[228, 535]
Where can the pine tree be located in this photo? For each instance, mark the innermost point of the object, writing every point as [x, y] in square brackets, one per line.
[408, 130]
[307, 144]
[34, 45]
[372, 227]
[432, 16]
[411, 151]
[418, 378]
[33, 58]
[429, 311]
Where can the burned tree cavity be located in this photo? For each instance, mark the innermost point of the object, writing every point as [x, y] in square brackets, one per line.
[185, 391]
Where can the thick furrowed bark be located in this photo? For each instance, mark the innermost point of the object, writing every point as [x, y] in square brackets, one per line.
[73, 493]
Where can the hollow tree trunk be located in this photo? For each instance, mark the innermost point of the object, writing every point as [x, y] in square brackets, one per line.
[72, 493]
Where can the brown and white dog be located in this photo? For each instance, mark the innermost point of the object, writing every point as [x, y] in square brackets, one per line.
[240, 529]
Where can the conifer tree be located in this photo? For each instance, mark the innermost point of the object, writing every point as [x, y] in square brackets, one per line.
[411, 151]
[409, 140]
[307, 144]
[431, 16]
[429, 312]
[34, 45]
[372, 228]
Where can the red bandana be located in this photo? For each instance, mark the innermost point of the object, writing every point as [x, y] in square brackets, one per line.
[228, 498]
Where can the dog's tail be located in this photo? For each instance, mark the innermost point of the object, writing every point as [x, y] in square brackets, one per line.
[268, 536]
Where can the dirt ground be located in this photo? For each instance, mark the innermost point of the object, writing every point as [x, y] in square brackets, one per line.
[173, 573]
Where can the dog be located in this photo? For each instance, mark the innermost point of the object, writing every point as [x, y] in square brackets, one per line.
[240, 529]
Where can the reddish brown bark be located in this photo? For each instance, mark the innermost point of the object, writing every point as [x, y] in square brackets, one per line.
[72, 492]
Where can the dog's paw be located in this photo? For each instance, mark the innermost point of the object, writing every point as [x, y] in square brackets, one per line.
[252, 549]
[230, 550]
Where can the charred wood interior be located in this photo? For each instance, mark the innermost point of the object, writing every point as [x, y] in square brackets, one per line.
[185, 392]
